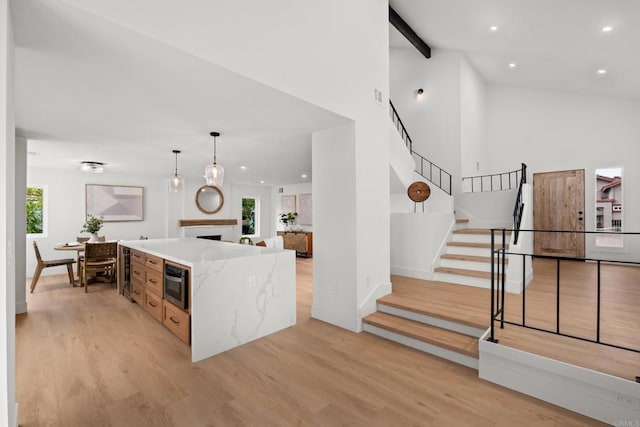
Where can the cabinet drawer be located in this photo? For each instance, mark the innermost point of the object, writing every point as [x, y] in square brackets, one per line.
[177, 321]
[154, 282]
[137, 292]
[154, 263]
[138, 272]
[137, 256]
[153, 305]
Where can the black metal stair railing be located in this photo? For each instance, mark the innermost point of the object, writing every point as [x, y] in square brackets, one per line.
[426, 168]
[519, 207]
[499, 254]
[494, 182]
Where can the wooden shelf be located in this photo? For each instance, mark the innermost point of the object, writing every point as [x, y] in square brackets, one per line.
[195, 222]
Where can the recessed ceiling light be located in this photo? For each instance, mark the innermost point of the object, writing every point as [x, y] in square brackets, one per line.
[602, 71]
[243, 167]
[493, 28]
[606, 29]
[512, 65]
[304, 175]
[261, 181]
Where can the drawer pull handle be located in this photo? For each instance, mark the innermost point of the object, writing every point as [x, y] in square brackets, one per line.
[151, 262]
[136, 292]
[177, 322]
[153, 304]
[153, 281]
[136, 272]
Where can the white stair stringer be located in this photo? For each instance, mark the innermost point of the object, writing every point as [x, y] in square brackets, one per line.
[462, 359]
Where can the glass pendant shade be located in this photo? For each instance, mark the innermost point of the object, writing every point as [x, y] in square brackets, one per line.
[176, 182]
[214, 174]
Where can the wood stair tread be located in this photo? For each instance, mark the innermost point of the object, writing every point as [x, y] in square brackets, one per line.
[466, 305]
[480, 231]
[471, 258]
[464, 272]
[440, 337]
[475, 245]
[462, 221]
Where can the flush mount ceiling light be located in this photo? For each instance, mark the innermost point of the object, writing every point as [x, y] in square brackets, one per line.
[214, 173]
[92, 167]
[176, 182]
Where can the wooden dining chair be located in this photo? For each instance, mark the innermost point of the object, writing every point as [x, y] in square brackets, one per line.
[81, 255]
[42, 264]
[99, 257]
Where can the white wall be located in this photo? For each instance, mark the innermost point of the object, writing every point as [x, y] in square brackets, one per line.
[66, 210]
[473, 141]
[434, 123]
[417, 241]
[552, 131]
[288, 190]
[21, 223]
[8, 409]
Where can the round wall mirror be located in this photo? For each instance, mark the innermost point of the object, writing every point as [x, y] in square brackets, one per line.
[209, 199]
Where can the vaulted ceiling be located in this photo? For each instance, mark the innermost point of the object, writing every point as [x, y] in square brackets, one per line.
[557, 45]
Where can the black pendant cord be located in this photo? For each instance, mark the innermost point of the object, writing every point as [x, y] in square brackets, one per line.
[176, 152]
[215, 135]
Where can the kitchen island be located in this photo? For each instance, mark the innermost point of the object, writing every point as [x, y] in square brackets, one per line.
[236, 293]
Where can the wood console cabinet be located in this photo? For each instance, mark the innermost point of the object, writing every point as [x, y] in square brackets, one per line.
[147, 276]
[300, 241]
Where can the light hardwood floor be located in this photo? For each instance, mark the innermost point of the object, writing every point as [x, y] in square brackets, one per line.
[96, 359]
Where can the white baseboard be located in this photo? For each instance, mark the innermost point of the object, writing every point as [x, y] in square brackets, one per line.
[604, 397]
[368, 306]
[333, 317]
[21, 307]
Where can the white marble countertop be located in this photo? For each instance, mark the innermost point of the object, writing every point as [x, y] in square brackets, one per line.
[190, 250]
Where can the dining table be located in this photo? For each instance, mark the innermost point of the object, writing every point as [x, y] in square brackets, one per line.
[72, 246]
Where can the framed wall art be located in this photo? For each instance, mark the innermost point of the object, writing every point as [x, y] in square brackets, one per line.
[287, 204]
[114, 202]
[306, 209]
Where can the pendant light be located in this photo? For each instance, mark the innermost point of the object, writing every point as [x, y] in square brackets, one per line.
[176, 182]
[214, 174]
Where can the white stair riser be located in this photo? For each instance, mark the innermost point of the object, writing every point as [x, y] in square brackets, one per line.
[467, 265]
[472, 238]
[428, 320]
[445, 353]
[463, 280]
[464, 250]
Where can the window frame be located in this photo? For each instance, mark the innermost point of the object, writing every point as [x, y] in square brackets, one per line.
[45, 212]
[256, 215]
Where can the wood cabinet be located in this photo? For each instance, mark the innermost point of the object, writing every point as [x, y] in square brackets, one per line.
[177, 321]
[147, 279]
[299, 241]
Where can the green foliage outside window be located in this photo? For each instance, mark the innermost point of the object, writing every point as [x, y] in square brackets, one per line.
[248, 216]
[35, 213]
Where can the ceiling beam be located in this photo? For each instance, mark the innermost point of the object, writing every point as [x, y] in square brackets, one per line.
[408, 32]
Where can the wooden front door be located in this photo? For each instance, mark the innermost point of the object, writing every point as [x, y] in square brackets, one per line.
[558, 204]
